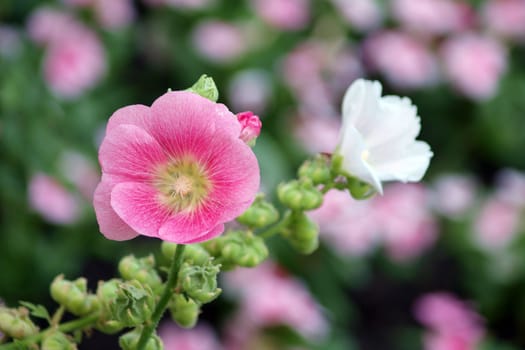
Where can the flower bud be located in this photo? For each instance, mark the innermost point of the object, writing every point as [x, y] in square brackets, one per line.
[200, 282]
[359, 189]
[185, 311]
[243, 249]
[261, 213]
[130, 340]
[142, 270]
[193, 253]
[303, 233]
[300, 195]
[205, 87]
[317, 170]
[250, 127]
[213, 246]
[73, 295]
[58, 341]
[16, 323]
[107, 294]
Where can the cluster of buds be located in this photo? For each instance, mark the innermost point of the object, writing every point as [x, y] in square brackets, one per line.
[58, 341]
[73, 295]
[129, 341]
[238, 248]
[16, 323]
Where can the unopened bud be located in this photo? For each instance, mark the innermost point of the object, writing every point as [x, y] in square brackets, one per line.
[205, 87]
[200, 282]
[73, 295]
[300, 195]
[303, 233]
[317, 170]
[16, 323]
[130, 340]
[185, 311]
[261, 213]
[193, 253]
[250, 127]
[58, 341]
[142, 270]
[359, 189]
[244, 249]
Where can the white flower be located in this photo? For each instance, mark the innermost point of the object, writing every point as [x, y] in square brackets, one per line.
[377, 139]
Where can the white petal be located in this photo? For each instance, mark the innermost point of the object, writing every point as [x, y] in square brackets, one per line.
[361, 105]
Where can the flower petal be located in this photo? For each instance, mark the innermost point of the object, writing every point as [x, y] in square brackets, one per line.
[136, 204]
[129, 151]
[133, 115]
[182, 230]
[110, 224]
[360, 105]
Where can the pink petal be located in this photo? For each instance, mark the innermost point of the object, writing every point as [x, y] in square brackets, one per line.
[110, 224]
[134, 115]
[186, 228]
[136, 204]
[131, 152]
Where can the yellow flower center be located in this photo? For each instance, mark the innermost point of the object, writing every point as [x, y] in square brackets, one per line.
[365, 155]
[182, 184]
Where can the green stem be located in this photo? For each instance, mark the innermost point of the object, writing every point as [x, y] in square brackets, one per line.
[164, 299]
[70, 326]
[277, 228]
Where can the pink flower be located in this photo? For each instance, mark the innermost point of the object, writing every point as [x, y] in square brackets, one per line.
[176, 170]
[219, 41]
[283, 14]
[511, 187]
[474, 64]
[506, 17]
[413, 65]
[348, 225]
[363, 15]
[51, 200]
[453, 195]
[406, 224]
[437, 341]
[433, 16]
[74, 64]
[48, 25]
[250, 126]
[496, 224]
[80, 171]
[250, 90]
[317, 134]
[201, 337]
[114, 14]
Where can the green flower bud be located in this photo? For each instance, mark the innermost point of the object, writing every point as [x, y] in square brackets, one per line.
[16, 323]
[73, 295]
[244, 249]
[213, 246]
[193, 253]
[205, 87]
[317, 170]
[261, 213]
[142, 270]
[107, 294]
[359, 189]
[300, 195]
[58, 341]
[200, 282]
[303, 233]
[185, 311]
[130, 340]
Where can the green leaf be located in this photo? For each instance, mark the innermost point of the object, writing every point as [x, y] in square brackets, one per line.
[37, 310]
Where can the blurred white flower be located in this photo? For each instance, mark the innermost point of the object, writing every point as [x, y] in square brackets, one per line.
[377, 139]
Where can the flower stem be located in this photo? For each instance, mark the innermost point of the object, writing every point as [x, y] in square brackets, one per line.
[277, 228]
[164, 299]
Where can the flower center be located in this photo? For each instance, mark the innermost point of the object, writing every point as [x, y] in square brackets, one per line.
[365, 155]
[182, 184]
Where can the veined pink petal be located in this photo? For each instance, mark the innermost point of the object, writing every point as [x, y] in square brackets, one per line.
[134, 115]
[136, 204]
[110, 224]
[131, 152]
[184, 230]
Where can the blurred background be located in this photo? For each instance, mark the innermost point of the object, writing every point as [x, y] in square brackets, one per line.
[438, 265]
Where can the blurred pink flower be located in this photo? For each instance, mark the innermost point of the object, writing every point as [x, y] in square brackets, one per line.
[347, 225]
[438, 341]
[176, 170]
[80, 171]
[114, 14]
[283, 14]
[510, 187]
[250, 90]
[74, 64]
[474, 64]
[219, 41]
[47, 25]
[78, 3]
[404, 60]
[362, 15]
[433, 16]
[10, 42]
[453, 195]
[250, 126]
[496, 224]
[51, 200]
[201, 337]
[317, 134]
[407, 226]
[505, 17]
[269, 297]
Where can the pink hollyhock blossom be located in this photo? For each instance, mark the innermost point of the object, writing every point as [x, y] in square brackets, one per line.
[406, 225]
[177, 170]
[74, 64]
[433, 16]
[219, 41]
[363, 15]
[250, 126]
[48, 25]
[80, 171]
[511, 187]
[51, 200]
[283, 14]
[474, 64]
[453, 195]
[270, 297]
[347, 225]
[316, 134]
[414, 65]
[201, 337]
[114, 14]
[505, 17]
[496, 224]
[250, 90]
